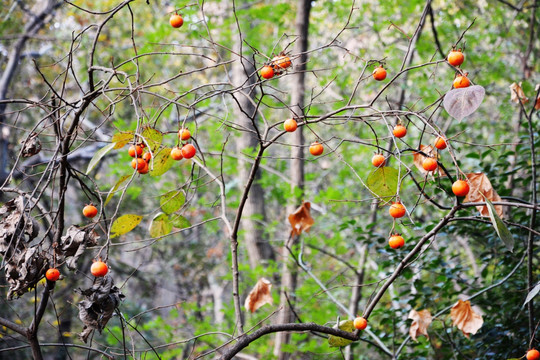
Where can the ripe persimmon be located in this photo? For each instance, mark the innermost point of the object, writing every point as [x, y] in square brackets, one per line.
[188, 151]
[378, 160]
[533, 354]
[360, 323]
[316, 149]
[399, 131]
[430, 164]
[90, 211]
[290, 125]
[99, 269]
[396, 241]
[176, 21]
[282, 61]
[397, 210]
[135, 151]
[462, 81]
[176, 153]
[379, 73]
[184, 134]
[267, 72]
[52, 274]
[460, 188]
[145, 169]
[147, 157]
[138, 163]
[456, 57]
[440, 143]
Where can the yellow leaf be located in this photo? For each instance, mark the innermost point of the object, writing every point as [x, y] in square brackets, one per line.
[259, 295]
[301, 219]
[465, 319]
[421, 321]
[125, 224]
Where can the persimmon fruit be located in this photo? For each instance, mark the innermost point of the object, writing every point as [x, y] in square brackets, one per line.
[360, 323]
[429, 164]
[456, 57]
[399, 131]
[397, 210]
[378, 160]
[184, 134]
[188, 151]
[440, 143]
[147, 156]
[316, 149]
[290, 125]
[396, 241]
[462, 81]
[135, 151]
[533, 354]
[176, 21]
[460, 188]
[52, 274]
[99, 269]
[138, 163]
[282, 61]
[379, 73]
[145, 169]
[90, 211]
[267, 72]
[176, 154]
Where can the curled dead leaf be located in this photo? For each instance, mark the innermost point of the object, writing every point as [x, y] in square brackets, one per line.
[537, 104]
[421, 321]
[31, 146]
[465, 319]
[517, 94]
[259, 295]
[301, 219]
[480, 185]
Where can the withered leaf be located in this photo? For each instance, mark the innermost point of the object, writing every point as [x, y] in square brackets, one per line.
[301, 219]
[421, 321]
[259, 295]
[419, 158]
[460, 103]
[517, 94]
[537, 104]
[480, 187]
[98, 306]
[31, 146]
[74, 243]
[465, 319]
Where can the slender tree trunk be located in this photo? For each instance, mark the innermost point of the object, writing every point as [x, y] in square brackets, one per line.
[289, 273]
[243, 75]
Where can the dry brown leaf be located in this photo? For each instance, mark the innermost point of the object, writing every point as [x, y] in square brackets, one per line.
[517, 94]
[465, 319]
[421, 321]
[419, 158]
[537, 105]
[480, 184]
[259, 295]
[301, 219]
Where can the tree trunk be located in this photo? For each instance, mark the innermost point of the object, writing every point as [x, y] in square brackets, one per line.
[289, 273]
[253, 217]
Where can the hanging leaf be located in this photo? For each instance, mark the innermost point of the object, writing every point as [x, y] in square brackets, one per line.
[460, 103]
[500, 226]
[153, 137]
[124, 224]
[115, 187]
[418, 158]
[481, 188]
[537, 104]
[259, 295]
[162, 162]
[98, 155]
[465, 319]
[31, 146]
[421, 321]
[172, 201]
[301, 219]
[336, 341]
[383, 182]
[160, 226]
[121, 139]
[532, 293]
[179, 222]
[517, 94]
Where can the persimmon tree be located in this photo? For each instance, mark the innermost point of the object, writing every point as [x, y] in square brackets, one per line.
[244, 238]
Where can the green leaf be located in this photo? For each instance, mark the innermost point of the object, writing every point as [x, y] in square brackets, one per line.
[153, 137]
[121, 139]
[125, 224]
[500, 227]
[383, 182]
[172, 201]
[336, 341]
[179, 222]
[162, 162]
[98, 155]
[160, 225]
[115, 187]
